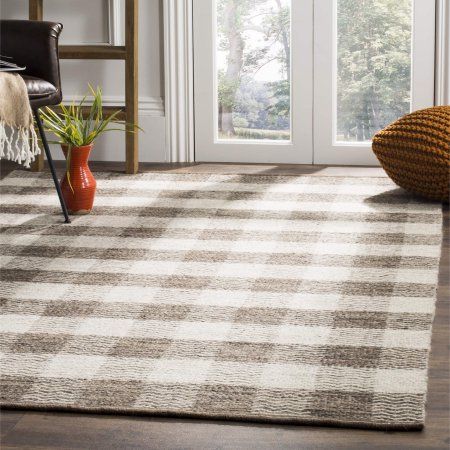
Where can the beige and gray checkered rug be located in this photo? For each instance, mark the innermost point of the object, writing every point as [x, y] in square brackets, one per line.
[287, 299]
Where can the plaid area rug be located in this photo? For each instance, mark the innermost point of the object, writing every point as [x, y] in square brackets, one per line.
[285, 299]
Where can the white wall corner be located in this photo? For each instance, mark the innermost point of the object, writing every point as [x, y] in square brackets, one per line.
[442, 78]
[179, 77]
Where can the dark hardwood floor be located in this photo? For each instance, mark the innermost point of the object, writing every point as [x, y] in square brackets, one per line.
[59, 430]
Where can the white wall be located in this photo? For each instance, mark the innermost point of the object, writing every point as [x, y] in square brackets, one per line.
[443, 53]
[86, 21]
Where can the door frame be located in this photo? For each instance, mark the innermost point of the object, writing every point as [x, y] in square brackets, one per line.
[179, 74]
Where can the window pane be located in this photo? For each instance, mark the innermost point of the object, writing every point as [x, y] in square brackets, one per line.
[373, 65]
[253, 69]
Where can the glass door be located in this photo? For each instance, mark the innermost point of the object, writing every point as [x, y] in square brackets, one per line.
[253, 80]
[307, 81]
[373, 63]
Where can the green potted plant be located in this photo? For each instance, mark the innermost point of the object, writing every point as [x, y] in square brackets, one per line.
[77, 126]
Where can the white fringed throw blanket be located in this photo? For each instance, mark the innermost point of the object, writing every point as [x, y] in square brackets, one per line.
[18, 139]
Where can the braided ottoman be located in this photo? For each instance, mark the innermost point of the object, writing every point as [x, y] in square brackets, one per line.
[415, 152]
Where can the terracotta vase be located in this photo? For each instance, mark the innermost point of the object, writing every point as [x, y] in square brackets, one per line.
[80, 198]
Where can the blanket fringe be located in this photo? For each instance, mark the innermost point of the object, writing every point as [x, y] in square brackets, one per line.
[18, 144]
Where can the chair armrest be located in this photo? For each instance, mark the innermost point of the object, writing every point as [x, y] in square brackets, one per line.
[33, 44]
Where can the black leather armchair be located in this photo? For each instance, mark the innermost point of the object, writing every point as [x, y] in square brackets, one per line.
[34, 44]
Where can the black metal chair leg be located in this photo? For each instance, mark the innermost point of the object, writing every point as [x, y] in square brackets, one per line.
[52, 167]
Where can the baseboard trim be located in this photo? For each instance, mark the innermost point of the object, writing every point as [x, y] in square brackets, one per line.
[148, 106]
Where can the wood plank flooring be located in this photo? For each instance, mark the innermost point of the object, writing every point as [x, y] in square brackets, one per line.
[59, 430]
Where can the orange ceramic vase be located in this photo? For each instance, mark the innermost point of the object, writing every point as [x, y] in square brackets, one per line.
[80, 198]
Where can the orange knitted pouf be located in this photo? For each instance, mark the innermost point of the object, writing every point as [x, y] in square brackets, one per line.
[415, 152]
